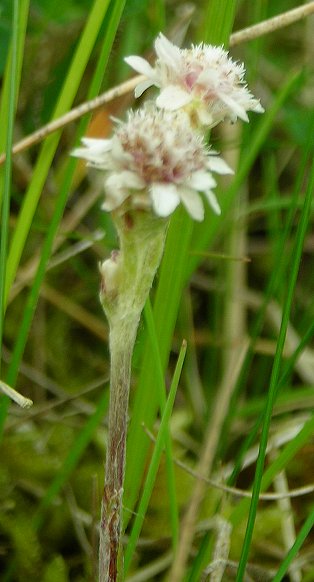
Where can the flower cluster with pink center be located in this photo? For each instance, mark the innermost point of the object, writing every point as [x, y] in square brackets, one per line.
[203, 80]
[155, 160]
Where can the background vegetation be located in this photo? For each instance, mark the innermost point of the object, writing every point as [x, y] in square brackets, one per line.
[238, 288]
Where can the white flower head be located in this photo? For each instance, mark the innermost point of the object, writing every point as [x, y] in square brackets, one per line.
[203, 80]
[155, 160]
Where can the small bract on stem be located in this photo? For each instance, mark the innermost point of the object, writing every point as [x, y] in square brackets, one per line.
[155, 160]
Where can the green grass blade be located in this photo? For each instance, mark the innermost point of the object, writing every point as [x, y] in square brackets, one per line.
[197, 568]
[301, 537]
[6, 97]
[160, 10]
[212, 225]
[280, 463]
[172, 275]
[288, 369]
[154, 464]
[65, 101]
[72, 459]
[56, 218]
[277, 275]
[5, 210]
[218, 22]
[32, 299]
[172, 497]
[288, 453]
[146, 399]
[111, 31]
[299, 241]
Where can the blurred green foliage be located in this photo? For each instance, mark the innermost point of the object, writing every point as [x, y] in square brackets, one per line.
[66, 362]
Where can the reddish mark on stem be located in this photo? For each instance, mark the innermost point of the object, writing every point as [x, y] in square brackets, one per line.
[129, 222]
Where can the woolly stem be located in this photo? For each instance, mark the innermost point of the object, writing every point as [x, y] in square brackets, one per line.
[111, 513]
[126, 280]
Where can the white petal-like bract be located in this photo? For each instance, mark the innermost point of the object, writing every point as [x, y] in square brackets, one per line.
[212, 200]
[140, 65]
[193, 203]
[165, 198]
[173, 98]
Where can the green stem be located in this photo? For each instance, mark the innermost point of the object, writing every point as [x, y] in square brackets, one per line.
[126, 281]
[110, 527]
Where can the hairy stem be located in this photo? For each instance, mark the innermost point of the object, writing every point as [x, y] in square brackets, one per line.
[111, 511]
[126, 280]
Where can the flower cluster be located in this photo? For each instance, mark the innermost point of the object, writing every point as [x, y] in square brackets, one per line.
[204, 80]
[159, 157]
[155, 160]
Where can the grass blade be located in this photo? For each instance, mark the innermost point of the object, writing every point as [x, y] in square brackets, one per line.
[58, 212]
[72, 459]
[173, 506]
[19, 28]
[294, 269]
[145, 404]
[5, 210]
[154, 464]
[65, 101]
[213, 225]
[301, 537]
